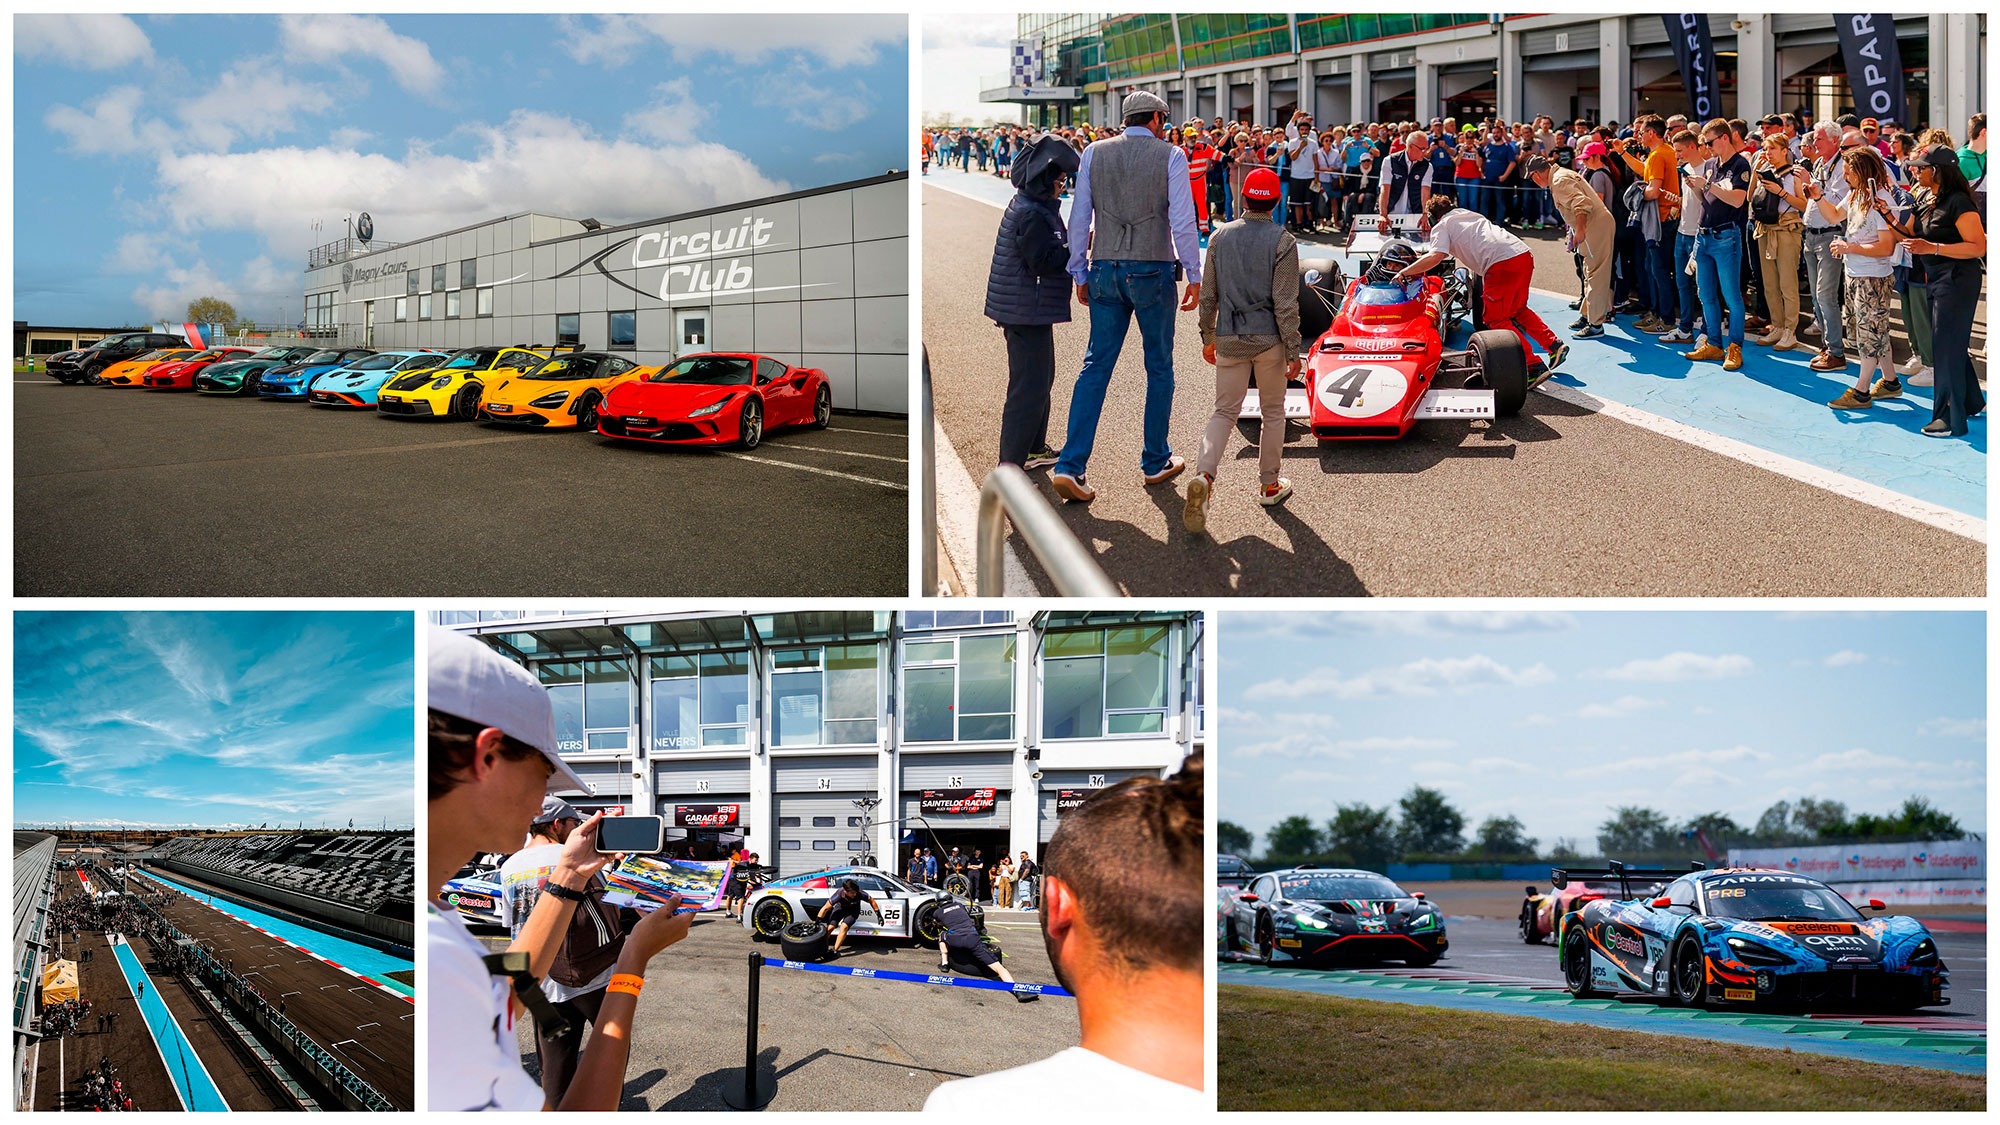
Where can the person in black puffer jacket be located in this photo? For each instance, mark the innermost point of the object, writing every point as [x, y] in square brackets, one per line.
[1028, 293]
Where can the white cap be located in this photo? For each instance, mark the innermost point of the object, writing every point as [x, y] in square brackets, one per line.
[473, 682]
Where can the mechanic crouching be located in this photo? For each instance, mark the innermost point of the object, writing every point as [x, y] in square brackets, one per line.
[960, 933]
[844, 909]
[1504, 264]
[1249, 329]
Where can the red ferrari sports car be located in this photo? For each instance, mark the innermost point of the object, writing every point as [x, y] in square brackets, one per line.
[716, 398]
[1541, 912]
[179, 376]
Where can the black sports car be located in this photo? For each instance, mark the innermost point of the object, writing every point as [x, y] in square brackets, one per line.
[83, 364]
[1322, 914]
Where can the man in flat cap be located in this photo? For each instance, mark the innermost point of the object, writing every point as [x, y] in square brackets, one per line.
[1133, 220]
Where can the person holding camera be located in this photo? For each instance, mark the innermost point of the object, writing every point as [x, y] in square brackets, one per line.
[1865, 247]
[844, 909]
[493, 760]
[1590, 234]
[1778, 204]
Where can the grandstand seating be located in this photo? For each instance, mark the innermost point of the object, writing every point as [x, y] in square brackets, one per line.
[369, 872]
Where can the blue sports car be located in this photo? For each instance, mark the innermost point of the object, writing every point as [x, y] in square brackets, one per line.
[360, 383]
[292, 380]
[1745, 936]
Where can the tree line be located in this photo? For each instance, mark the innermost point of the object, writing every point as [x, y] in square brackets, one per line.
[1424, 827]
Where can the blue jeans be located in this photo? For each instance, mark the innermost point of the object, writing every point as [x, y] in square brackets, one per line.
[1119, 292]
[1468, 194]
[1719, 261]
[1493, 201]
[1659, 264]
[1684, 282]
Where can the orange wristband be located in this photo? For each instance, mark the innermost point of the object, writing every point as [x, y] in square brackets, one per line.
[626, 982]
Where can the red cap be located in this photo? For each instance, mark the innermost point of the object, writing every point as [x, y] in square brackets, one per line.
[1260, 184]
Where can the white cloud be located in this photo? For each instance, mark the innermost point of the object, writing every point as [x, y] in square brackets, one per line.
[1861, 759]
[1677, 666]
[1314, 626]
[1294, 744]
[1846, 658]
[1417, 678]
[797, 91]
[139, 252]
[1953, 728]
[1621, 708]
[94, 42]
[1380, 744]
[249, 100]
[1538, 720]
[109, 125]
[673, 115]
[347, 136]
[326, 38]
[841, 40]
[970, 30]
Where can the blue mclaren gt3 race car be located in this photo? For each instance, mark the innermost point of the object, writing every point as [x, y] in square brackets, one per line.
[1322, 914]
[1745, 936]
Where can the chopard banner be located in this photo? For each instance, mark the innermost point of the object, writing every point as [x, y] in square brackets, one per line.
[1874, 64]
[957, 800]
[1694, 49]
[705, 816]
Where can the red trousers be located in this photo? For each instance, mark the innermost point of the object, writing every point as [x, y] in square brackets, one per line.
[1506, 288]
[1199, 186]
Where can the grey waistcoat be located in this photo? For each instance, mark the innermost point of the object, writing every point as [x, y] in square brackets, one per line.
[1128, 200]
[1242, 255]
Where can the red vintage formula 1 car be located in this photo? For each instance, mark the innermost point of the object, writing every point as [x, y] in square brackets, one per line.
[1376, 362]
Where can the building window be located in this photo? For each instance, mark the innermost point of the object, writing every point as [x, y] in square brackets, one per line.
[437, 278]
[825, 696]
[1105, 682]
[402, 308]
[568, 329]
[320, 316]
[486, 302]
[959, 689]
[468, 273]
[411, 278]
[701, 701]
[424, 307]
[593, 704]
[624, 330]
[955, 618]
[451, 305]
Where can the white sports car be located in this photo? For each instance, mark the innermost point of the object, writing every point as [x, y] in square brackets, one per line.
[907, 907]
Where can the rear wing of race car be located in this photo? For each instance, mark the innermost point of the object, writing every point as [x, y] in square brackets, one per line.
[1559, 877]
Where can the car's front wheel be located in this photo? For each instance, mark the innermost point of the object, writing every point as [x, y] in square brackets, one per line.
[750, 425]
[1503, 366]
[925, 924]
[770, 918]
[94, 375]
[586, 413]
[1690, 976]
[1576, 963]
[465, 404]
[1266, 937]
[1421, 960]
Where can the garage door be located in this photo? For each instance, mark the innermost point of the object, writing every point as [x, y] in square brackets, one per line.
[818, 830]
[606, 779]
[1061, 787]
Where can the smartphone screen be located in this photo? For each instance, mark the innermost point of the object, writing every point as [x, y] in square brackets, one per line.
[630, 834]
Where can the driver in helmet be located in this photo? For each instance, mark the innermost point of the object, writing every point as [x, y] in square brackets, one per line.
[1392, 265]
[1504, 263]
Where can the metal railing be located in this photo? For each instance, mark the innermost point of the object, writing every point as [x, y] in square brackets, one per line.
[1008, 494]
[927, 500]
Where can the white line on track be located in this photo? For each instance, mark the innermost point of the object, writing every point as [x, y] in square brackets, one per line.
[848, 453]
[1875, 496]
[899, 487]
[958, 522]
[873, 433]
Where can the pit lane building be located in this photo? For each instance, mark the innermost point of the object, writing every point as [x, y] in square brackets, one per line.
[818, 278]
[813, 737]
[1414, 66]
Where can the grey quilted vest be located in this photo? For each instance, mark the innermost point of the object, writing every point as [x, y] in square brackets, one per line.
[1241, 257]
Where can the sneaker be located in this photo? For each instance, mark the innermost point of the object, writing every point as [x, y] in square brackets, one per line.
[1041, 458]
[1576, 304]
[1910, 366]
[1272, 495]
[1886, 387]
[1194, 514]
[1734, 361]
[1851, 399]
[1027, 997]
[1579, 324]
[1657, 327]
[1938, 428]
[1648, 323]
[1827, 361]
[1072, 489]
[1924, 377]
[1811, 328]
[1174, 466]
[1677, 335]
[1555, 360]
[1786, 342]
[1706, 352]
[1590, 331]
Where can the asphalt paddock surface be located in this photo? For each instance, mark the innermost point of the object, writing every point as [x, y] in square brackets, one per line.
[60, 1064]
[134, 493]
[832, 1043]
[1558, 501]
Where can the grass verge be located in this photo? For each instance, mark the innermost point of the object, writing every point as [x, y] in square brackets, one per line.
[1295, 1051]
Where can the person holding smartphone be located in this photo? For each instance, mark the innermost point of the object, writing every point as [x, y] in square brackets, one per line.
[1724, 183]
[844, 909]
[1866, 244]
[1950, 240]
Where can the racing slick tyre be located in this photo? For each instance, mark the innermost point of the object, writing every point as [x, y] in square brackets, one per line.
[1576, 965]
[770, 918]
[1503, 365]
[805, 941]
[823, 409]
[1321, 287]
[1530, 933]
[1690, 975]
[925, 924]
[1266, 937]
[1421, 961]
[465, 404]
[958, 886]
[750, 425]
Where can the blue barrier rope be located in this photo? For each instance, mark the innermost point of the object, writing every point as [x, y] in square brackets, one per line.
[920, 978]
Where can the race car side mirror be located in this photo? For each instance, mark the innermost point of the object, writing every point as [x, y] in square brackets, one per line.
[1418, 895]
[1662, 902]
[1246, 897]
[1877, 904]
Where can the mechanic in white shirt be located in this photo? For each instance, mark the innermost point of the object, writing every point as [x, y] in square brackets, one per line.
[492, 760]
[1505, 266]
[1130, 945]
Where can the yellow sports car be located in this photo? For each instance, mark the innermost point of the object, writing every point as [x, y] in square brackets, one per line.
[132, 372]
[453, 388]
[563, 392]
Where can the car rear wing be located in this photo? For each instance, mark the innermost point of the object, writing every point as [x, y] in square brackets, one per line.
[1559, 877]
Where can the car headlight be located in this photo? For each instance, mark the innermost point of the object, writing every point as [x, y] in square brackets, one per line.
[1925, 953]
[1753, 954]
[1424, 922]
[550, 402]
[1308, 921]
[708, 410]
[441, 382]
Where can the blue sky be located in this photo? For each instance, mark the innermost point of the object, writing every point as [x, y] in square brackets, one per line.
[214, 718]
[162, 158]
[1557, 718]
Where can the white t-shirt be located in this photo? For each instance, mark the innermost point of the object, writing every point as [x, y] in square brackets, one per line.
[474, 1058]
[523, 879]
[1690, 208]
[1868, 228]
[1082, 1082]
[1478, 244]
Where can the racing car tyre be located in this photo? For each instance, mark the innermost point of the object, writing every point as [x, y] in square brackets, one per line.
[1266, 937]
[958, 886]
[1576, 964]
[1503, 365]
[1319, 300]
[1530, 933]
[925, 924]
[1689, 980]
[805, 941]
[1421, 961]
[770, 918]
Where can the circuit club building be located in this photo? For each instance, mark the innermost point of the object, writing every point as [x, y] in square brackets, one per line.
[829, 737]
[1259, 68]
[818, 278]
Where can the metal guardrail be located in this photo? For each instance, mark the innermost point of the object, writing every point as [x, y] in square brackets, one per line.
[1008, 494]
[927, 500]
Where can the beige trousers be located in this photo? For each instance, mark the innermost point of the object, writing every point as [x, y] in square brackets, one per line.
[1597, 259]
[1778, 249]
[1232, 382]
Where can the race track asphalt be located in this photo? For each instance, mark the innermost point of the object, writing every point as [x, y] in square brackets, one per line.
[1560, 501]
[135, 493]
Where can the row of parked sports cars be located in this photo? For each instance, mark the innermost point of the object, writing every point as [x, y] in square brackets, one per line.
[1692, 936]
[707, 398]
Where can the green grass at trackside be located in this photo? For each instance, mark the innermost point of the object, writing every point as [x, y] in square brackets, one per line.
[1296, 1051]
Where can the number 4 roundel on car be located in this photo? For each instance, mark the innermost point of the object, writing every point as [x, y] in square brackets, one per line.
[1362, 390]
